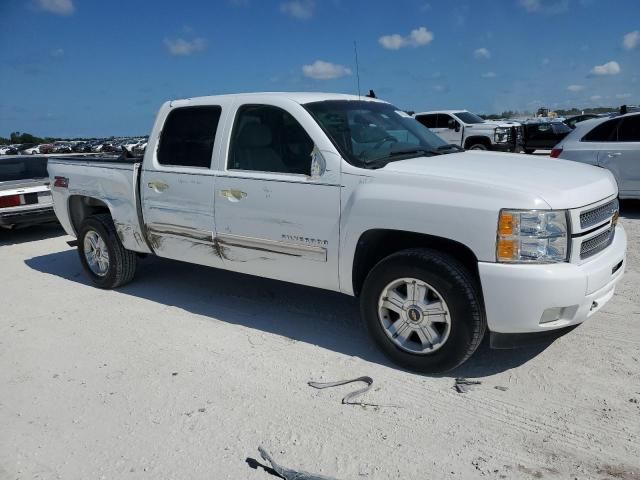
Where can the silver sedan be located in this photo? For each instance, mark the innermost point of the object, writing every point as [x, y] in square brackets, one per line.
[611, 143]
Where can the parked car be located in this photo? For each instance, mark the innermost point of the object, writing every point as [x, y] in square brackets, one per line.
[353, 195]
[25, 198]
[468, 130]
[571, 121]
[542, 135]
[62, 148]
[82, 148]
[32, 150]
[47, 148]
[8, 150]
[611, 143]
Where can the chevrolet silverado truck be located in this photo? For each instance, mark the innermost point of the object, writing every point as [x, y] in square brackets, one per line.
[468, 130]
[354, 195]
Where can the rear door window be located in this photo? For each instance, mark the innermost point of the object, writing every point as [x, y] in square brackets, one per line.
[629, 131]
[188, 136]
[605, 132]
[429, 121]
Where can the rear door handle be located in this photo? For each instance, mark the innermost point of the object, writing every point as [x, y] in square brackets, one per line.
[158, 186]
[613, 154]
[233, 195]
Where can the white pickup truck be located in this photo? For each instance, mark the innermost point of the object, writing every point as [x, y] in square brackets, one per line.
[351, 194]
[468, 130]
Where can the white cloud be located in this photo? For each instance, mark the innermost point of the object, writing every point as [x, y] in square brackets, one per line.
[182, 47]
[631, 40]
[301, 9]
[595, 98]
[58, 52]
[545, 6]
[575, 88]
[321, 70]
[609, 68]
[416, 38]
[59, 7]
[482, 53]
[623, 95]
[545, 61]
[489, 75]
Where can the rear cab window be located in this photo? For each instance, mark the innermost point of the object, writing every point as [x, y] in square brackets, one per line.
[188, 136]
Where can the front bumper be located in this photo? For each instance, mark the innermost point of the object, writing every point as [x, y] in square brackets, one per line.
[517, 295]
[502, 147]
[31, 216]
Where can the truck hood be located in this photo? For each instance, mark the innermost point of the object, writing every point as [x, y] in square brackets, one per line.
[489, 126]
[561, 184]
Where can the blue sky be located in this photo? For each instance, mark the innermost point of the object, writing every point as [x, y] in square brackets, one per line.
[91, 67]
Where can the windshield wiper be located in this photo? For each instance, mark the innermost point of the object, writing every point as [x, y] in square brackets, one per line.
[410, 151]
[450, 146]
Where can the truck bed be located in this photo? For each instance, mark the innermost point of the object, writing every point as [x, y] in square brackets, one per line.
[107, 179]
[97, 159]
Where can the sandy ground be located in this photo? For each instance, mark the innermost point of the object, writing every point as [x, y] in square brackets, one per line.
[185, 372]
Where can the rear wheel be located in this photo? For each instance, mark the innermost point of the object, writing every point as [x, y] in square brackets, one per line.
[423, 310]
[529, 151]
[104, 258]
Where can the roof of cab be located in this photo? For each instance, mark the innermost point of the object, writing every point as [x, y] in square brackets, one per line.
[298, 97]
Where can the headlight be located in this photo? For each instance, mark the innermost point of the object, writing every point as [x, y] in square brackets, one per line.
[502, 134]
[538, 236]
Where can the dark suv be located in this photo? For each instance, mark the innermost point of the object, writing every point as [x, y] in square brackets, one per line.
[542, 135]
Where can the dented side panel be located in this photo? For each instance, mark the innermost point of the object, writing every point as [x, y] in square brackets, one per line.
[112, 184]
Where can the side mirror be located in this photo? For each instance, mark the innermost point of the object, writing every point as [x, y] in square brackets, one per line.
[318, 163]
[451, 124]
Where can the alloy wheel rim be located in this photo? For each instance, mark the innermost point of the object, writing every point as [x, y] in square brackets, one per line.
[96, 253]
[414, 316]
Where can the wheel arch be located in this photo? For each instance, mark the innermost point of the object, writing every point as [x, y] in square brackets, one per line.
[483, 139]
[376, 244]
[81, 207]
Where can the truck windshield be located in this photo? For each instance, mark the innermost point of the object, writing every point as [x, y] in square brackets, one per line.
[468, 117]
[370, 134]
[12, 169]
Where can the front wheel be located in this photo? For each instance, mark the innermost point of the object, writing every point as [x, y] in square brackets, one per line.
[477, 146]
[104, 258]
[423, 310]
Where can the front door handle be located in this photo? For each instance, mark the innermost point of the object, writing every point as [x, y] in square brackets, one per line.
[233, 195]
[613, 154]
[158, 186]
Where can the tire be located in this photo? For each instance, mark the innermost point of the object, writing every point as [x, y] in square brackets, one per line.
[121, 263]
[459, 295]
[478, 146]
[529, 151]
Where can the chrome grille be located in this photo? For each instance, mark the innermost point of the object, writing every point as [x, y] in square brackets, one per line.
[597, 215]
[596, 244]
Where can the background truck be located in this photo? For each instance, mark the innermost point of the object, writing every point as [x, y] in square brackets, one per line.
[353, 195]
[469, 131]
[25, 198]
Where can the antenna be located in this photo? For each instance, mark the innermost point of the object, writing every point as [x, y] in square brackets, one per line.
[355, 50]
